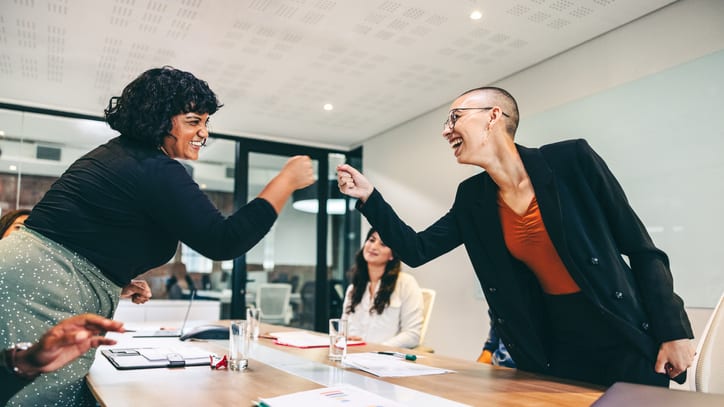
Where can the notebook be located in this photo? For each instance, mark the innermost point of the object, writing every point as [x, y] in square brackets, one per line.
[628, 394]
[168, 333]
[146, 358]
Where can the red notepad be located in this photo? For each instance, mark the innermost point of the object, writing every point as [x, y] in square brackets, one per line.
[305, 340]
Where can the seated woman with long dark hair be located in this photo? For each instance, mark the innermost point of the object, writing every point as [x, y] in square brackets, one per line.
[11, 221]
[383, 305]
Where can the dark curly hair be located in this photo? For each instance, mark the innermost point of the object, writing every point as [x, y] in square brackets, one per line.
[144, 110]
[361, 277]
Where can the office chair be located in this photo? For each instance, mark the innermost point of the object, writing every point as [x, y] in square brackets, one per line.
[336, 298]
[428, 299]
[708, 366]
[272, 299]
[307, 296]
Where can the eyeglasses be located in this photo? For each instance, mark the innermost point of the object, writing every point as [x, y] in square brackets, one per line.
[453, 117]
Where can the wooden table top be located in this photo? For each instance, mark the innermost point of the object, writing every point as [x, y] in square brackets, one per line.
[472, 383]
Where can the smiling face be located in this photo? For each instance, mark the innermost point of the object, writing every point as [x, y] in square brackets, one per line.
[466, 130]
[375, 252]
[188, 134]
[478, 127]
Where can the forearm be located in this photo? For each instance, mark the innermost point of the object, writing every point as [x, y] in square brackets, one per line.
[234, 236]
[665, 310]
[413, 248]
[404, 339]
[277, 192]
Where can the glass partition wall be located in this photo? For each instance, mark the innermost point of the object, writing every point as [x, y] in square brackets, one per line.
[310, 247]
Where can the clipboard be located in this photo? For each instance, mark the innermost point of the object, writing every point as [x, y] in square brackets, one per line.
[148, 358]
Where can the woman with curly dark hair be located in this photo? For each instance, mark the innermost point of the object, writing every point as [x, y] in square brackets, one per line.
[383, 305]
[11, 221]
[119, 211]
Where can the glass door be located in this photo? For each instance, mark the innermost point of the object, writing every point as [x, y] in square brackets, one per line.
[214, 173]
[286, 255]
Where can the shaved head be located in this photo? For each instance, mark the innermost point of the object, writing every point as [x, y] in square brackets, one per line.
[500, 97]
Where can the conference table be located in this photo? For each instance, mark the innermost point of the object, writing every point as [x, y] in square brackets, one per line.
[224, 296]
[276, 370]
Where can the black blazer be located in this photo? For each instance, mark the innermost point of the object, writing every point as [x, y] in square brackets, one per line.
[591, 225]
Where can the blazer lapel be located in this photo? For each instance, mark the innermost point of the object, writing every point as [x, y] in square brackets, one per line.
[485, 208]
[546, 192]
[487, 221]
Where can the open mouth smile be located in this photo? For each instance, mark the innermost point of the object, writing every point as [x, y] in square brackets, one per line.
[455, 143]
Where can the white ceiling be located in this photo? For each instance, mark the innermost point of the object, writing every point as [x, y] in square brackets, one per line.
[275, 63]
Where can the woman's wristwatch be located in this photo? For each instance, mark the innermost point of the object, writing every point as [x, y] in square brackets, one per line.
[8, 361]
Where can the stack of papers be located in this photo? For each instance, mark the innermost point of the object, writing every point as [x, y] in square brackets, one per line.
[300, 339]
[389, 366]
[346, 395]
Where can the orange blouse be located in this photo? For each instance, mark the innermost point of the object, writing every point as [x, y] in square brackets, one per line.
[527, 240]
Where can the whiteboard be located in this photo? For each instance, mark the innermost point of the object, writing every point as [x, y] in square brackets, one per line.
[663, 138]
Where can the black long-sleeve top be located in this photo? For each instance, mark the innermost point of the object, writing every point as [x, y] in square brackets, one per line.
[124, 207]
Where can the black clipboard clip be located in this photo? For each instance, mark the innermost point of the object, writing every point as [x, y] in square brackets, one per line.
[175, 360]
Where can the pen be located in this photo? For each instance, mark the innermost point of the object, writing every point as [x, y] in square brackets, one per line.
[405, 356]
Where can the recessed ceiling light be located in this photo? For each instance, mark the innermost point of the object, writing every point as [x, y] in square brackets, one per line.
[476, 15]
[13, 168]
[328, 106]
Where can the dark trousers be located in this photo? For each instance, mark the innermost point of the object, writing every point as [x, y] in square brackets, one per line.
[584, 346]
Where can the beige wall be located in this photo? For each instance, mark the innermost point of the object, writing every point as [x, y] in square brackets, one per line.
[416, 172]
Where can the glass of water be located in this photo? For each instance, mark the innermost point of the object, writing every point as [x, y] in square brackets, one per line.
[253, 315]
[239, 338]
[337, 339]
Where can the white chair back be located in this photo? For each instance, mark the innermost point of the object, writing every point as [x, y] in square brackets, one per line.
[428, 299]
[708, 367]
[272, 299]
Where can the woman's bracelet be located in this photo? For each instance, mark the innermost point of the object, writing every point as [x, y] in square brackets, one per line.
[12, 364]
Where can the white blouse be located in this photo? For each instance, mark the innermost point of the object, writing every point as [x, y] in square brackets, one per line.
[399, 324]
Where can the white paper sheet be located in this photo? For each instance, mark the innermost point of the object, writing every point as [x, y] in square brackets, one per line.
[389, 366]
[346, 395]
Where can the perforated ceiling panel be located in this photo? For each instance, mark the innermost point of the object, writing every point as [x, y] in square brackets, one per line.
[275, 63]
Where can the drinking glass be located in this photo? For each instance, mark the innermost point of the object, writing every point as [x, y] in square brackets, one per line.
[239, 337]
[253, 315]
[337, 339]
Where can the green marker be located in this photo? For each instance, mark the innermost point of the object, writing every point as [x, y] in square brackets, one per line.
[406, 356]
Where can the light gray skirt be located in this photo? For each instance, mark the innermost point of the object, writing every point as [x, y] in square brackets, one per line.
[42, 283]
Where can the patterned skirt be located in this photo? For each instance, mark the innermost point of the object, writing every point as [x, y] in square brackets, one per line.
[43, 283]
